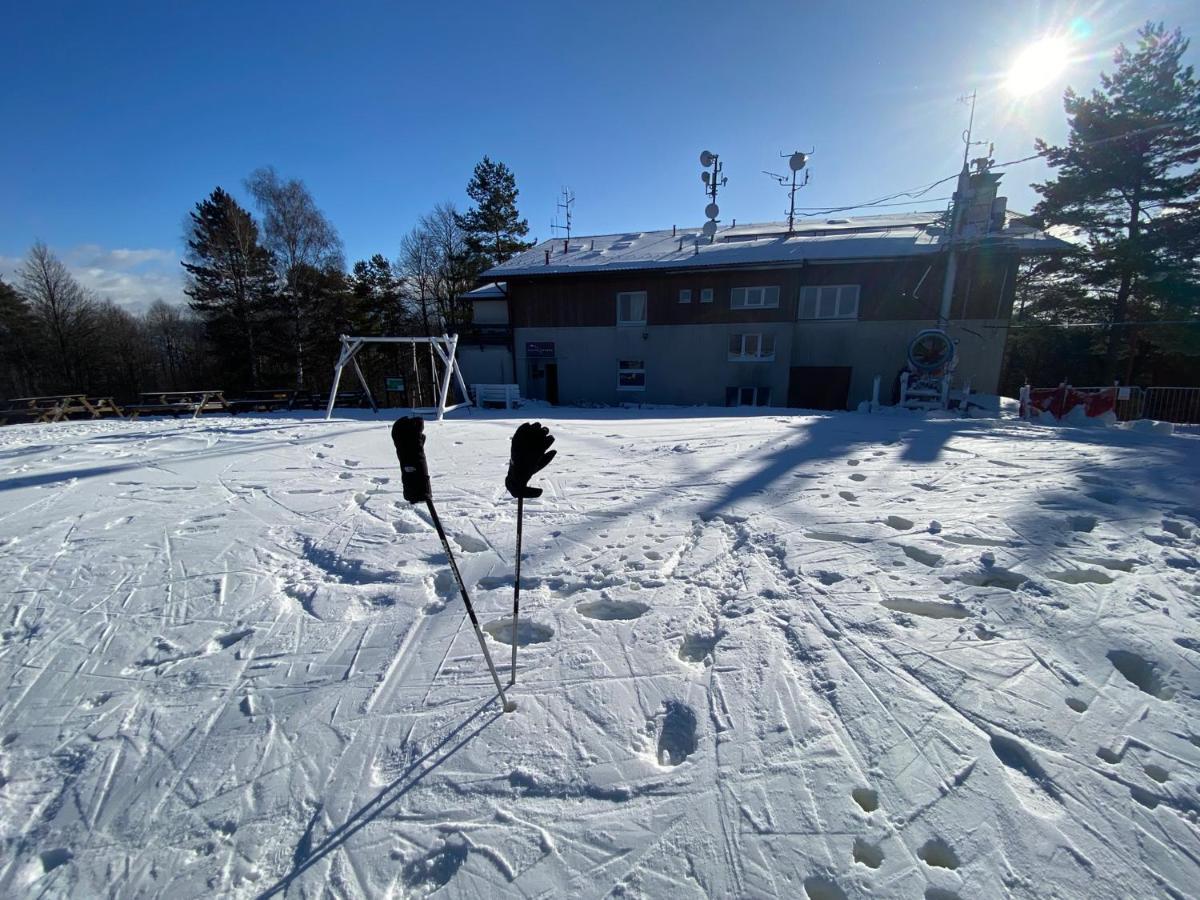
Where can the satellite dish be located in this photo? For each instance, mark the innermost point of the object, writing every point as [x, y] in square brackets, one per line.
[709, 229]
[706, 158]
[704, 176]
[797, 161]
[712, 211]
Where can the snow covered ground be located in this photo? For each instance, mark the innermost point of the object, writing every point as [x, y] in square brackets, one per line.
[822, 656]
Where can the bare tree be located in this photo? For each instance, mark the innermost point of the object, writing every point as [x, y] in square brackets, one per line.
[434, 264]
[305, 245]
[63, 309]
[418, 265]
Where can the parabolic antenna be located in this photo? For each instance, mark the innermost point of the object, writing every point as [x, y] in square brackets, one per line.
[704, 176]
[797, 161]
[709, 229]
[706, 158]
[712, 210]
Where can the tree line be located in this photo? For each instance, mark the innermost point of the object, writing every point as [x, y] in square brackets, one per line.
[268, 297]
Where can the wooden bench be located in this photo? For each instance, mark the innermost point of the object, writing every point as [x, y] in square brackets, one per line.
[177, 403]
[506, 394]
[56, 407]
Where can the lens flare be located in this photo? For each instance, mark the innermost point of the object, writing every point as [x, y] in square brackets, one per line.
[1037, 66]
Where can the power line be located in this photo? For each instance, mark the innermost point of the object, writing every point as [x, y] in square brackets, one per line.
[914, 193]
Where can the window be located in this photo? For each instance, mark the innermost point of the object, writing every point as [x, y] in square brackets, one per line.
[829, 301]
[706, 295]
[751, 347]
[631, 375]
[747, 396]
[685, 296]
[631, 308]
[754, 297]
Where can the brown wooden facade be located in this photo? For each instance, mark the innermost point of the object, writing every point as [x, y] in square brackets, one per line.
[899, 289]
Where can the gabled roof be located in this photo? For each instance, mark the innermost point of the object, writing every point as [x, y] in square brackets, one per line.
[835, 239]
[493, 290]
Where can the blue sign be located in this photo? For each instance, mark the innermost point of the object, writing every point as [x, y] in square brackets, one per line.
[539, 349]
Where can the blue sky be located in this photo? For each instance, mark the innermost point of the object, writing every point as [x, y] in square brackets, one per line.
[120, 116]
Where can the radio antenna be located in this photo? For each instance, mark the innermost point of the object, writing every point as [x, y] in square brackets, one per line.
[796, 162]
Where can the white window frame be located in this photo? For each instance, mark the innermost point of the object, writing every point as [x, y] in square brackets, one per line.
[764, 296]
[706, 295]
[685, 295]
[756, 340]
[631, 296]
[815, 298]
[631, 367]
[755, 394]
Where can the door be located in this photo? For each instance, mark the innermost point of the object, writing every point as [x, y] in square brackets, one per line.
[552, 383]
[819, 387]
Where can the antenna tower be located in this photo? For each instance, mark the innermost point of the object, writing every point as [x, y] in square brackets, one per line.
[711, 181]
[796, 162]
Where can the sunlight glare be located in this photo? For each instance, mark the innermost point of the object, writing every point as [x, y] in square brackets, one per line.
[1037, 66]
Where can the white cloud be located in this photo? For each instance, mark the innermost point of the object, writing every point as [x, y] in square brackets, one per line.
[132, 278]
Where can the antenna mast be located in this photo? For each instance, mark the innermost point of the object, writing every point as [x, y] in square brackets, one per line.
[796, 162]
[564, 206]
[711, 181]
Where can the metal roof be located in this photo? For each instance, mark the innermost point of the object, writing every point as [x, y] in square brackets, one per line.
[826, 240]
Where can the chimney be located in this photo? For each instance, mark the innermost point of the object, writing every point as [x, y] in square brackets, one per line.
[672, 231]
[547, 257]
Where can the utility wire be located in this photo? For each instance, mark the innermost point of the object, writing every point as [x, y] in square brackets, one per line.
[914, 193]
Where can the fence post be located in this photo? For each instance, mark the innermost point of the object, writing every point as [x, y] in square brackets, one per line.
[875, 394]
[1023, 406]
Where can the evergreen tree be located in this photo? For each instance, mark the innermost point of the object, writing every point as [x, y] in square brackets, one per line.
[378, 297]
[231, 285]
[1127, 183]
[493, 228]
[17, 327]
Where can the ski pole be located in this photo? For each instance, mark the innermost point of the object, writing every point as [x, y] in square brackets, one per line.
[530, 454]
[509, 706]
[408, 435]
[517, 590]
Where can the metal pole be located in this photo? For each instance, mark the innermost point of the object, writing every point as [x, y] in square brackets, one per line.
[517, 590]
[437, 524]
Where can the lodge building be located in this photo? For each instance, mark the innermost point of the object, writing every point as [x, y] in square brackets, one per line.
[756, 317]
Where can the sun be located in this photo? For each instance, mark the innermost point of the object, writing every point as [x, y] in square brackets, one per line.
[1037, 66]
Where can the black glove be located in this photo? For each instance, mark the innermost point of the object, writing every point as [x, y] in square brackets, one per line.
[529, 456]
[408, 434]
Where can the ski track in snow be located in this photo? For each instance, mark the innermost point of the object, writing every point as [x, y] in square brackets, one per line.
[821, 656]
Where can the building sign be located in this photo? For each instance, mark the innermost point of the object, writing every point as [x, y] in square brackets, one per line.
[395, 383]
[539, 349]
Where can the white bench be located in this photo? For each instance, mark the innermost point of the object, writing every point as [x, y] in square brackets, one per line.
[508, 394]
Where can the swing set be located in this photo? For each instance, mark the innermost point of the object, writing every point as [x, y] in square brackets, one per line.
[441, 349]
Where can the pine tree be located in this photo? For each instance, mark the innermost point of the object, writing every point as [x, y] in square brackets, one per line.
[17, 330]
[1128, 184]
[231, 284]
[493, 228]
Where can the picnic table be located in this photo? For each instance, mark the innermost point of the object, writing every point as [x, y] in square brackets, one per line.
[270, 400]
[176, 403]
[56, 407]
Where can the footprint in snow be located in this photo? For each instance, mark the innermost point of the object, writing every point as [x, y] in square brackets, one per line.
[677, 737]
